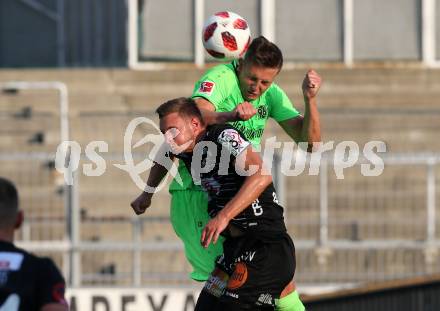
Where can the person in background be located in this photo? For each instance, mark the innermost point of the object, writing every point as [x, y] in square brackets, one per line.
[27, 282]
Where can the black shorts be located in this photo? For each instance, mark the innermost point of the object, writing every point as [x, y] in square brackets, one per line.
[258, 269]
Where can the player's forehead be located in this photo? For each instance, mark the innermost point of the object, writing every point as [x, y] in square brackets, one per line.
[260, 72]
[171, 120]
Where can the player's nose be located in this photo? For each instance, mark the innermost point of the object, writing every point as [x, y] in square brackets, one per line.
[259, 89]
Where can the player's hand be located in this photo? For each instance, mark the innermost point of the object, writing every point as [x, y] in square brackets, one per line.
[311, 84]
[141, 203]
[244, 111]
[212, 230]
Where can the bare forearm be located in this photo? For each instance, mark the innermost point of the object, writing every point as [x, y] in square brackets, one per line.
[305, 129]
[311, 128]
[157, 173]
[251, 189]
[212, 117]
[242, 112]
[143, 201]
[163, 162]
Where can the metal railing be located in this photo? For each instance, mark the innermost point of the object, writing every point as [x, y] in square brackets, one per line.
[135, 252]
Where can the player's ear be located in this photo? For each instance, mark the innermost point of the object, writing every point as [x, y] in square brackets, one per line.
[195, 123]
[19, 219]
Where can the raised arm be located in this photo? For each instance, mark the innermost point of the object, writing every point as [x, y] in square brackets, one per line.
[242, 112]
[306, 128]
[251, 189]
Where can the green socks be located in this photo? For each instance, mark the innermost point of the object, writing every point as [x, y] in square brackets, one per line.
[290, 302]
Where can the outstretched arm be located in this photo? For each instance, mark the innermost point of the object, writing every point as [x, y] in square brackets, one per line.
[157, 173]
[251, 189]
[242, 112]
[307, 128]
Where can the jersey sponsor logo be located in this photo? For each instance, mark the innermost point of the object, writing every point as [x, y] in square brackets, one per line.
[206, 87]
[265, 299]
[233, 295]
[249, 133]
[216, 283]
[239, 276]
[232, 140]
[248, 256]
[10, 261]
[262, 112]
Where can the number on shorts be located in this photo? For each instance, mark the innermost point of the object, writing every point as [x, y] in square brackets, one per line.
[275, 199]
[258, 209]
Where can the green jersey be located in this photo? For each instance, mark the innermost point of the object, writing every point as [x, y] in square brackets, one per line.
[220, 86]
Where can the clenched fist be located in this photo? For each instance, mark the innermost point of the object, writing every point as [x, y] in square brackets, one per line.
[244, 111]
[141, 203]
[311, 84]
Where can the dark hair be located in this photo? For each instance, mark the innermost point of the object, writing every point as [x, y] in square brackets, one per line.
[184, 106]
[8, 202]
[264, 53]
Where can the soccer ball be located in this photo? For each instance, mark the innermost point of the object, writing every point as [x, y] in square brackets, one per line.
[226, 35]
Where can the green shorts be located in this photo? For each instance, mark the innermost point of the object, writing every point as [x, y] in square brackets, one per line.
[189, 215]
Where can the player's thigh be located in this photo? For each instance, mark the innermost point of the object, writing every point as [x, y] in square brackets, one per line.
[189, 212]
[206, 302]
[262, 271]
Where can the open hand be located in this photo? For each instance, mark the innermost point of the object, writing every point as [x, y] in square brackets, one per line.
[212, 230]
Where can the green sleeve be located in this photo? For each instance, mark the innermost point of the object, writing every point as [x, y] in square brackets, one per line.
[281, 108]
[215, 86]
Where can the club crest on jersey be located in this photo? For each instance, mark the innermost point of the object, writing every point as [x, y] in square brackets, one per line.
[206, 87]
[262, 112]
[232, 140]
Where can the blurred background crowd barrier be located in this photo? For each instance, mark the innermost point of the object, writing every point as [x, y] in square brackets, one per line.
[347, 230]
[78, 65]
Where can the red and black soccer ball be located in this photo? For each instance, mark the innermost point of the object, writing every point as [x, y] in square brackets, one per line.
[226, 35]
